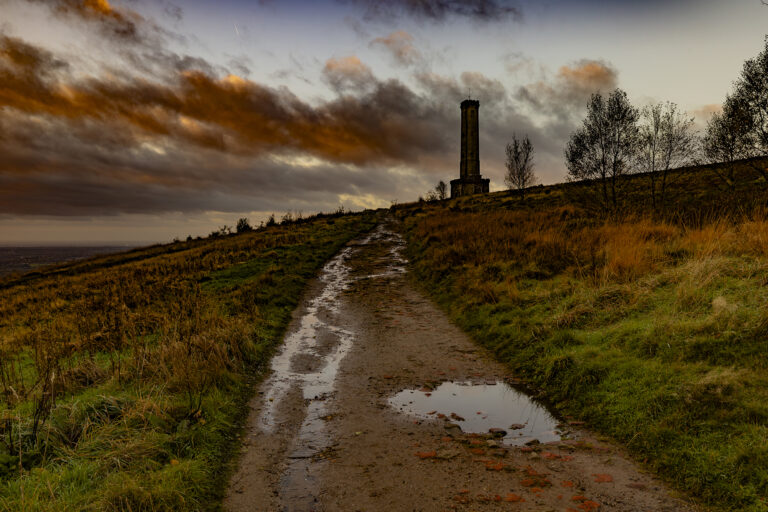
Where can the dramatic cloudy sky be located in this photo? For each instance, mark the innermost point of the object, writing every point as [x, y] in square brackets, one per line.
[141, 120]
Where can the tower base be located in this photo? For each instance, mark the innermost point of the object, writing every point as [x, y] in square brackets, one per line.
[469, 185]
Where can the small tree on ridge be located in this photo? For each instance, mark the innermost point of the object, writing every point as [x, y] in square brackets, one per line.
[667, 140]
[519, 164]
[441, 190]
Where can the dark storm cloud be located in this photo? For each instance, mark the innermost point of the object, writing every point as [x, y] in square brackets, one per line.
[122, 24]
[65, 172]
[439, 10]
[135, 144]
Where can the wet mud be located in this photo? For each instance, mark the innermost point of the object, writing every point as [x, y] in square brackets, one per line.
[377, 402]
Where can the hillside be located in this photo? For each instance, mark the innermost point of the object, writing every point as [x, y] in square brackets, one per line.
[652, 330]
[124, 378]
[137, 366]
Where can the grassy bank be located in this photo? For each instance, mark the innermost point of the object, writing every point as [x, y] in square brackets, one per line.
[124, 378]
[655, 333]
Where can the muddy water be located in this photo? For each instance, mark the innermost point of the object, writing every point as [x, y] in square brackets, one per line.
[309, 361]
[478, 408]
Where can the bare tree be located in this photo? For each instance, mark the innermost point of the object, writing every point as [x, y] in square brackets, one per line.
[604, 146]
[519, 163]
[441, 190]
[243, 225]
[667, 140]
[749, 106]
[729, 138]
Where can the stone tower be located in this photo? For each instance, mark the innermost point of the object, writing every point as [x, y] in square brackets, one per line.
[470, 181]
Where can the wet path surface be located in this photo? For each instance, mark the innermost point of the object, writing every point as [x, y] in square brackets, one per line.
[376, 402]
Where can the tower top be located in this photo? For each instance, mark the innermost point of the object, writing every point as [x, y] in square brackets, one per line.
[470, 103]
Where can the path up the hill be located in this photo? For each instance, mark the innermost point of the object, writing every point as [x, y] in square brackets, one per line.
[341, 422]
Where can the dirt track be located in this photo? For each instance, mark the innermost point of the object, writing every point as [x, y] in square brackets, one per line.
[323, 437]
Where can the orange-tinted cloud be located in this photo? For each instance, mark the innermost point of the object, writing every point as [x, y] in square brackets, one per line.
[347, 73]
[703, 114]
[387, 122]
[400, 46]
[571, 87]
[587, 76]
[170, 132]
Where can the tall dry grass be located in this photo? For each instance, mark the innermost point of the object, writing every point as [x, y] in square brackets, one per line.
[560, 240]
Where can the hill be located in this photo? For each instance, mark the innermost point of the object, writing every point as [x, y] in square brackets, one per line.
[651, 328]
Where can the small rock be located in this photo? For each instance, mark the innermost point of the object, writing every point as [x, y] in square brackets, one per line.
[452, 429]
[447, 453]
[516, 426]
[532, 442]
[497, 432]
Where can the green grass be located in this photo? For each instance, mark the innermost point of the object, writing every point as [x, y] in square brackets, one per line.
[150, 423]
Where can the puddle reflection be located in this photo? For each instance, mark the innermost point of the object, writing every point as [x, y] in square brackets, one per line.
[477, 408]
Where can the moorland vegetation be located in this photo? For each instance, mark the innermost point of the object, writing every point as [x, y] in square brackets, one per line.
[124, 378]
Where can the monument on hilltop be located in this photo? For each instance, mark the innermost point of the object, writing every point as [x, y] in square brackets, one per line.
[470, 181]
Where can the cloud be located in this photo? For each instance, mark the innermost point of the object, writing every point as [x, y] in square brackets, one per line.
[194, 140]
[387, 122]
[118, 23]
[348, 73]
[400, 46]
[451, 91]
[57, 168]
[567, 94]
[703, 114]
[518, 63]
[439, 10]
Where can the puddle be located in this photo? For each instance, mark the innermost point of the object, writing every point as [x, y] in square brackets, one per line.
[476, 408]
[315, 327]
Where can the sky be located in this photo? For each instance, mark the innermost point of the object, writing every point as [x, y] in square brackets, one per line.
[144, 120]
